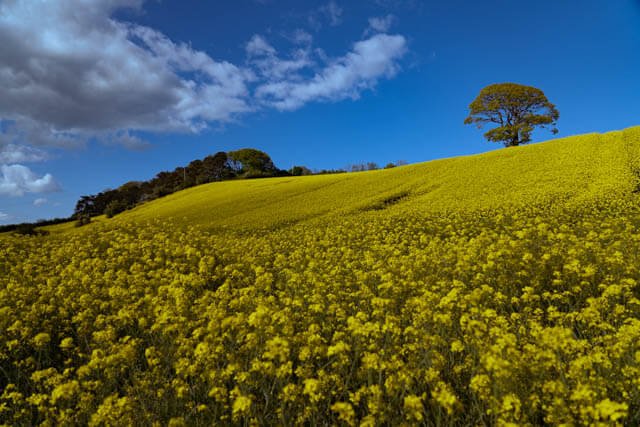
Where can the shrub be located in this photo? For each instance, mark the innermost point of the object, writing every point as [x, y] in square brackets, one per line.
[83, 219]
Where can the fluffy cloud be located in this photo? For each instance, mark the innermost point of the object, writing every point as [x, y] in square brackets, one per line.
[16, 180]
[40, 201]
[71, 72]
[346, 77]
[4, 217]
[88, 75]
[216, 96]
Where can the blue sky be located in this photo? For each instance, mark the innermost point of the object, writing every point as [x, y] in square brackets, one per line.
[96, 93]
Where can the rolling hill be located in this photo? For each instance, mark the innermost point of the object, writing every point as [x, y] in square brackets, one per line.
[572, 169]
[494, 289]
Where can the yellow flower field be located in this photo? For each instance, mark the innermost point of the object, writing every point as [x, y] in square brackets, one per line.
[498, 289]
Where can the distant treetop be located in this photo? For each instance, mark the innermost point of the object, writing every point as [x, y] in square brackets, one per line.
[251, 163]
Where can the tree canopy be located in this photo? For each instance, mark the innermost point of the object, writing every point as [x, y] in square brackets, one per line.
[244, 163]
[516, 109]
[251, 163]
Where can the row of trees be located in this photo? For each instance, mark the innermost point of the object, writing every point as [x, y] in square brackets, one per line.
[371, 166]
[246, 163]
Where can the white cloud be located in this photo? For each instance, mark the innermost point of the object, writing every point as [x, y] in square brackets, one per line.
[40, 201]
[264, 58]
[346, 77]
[4, 217]
[70, 72]
[16, 180]
[219, 93]
[381, 24]
[13, 153]
[129, 141]
[258, 46]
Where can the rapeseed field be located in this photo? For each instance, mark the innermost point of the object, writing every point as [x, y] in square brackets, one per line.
[497, 289]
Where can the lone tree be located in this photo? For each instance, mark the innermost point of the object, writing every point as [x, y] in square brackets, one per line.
[517, 109]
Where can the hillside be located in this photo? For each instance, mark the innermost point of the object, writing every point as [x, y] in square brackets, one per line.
[576, 168]
[495, 289]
